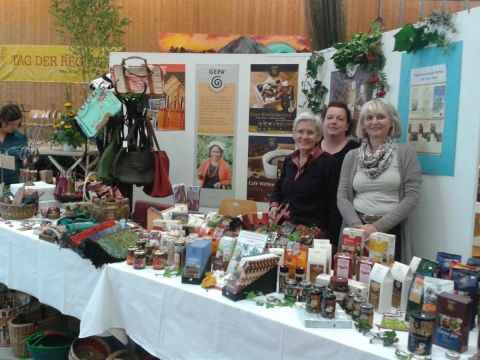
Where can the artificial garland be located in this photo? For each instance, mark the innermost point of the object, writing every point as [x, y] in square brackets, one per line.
[316, 92]
[364, 50]
[430, 31]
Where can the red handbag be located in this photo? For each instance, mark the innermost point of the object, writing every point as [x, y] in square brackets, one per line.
[161, 186]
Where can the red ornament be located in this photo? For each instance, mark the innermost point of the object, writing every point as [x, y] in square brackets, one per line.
[381, 93]
[374, 80]
[370, 58]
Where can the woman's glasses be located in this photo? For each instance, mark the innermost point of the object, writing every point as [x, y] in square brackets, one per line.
[306, 133]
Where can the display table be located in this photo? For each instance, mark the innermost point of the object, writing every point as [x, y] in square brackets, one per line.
[172, 320]
[68, 158]
[57, 277]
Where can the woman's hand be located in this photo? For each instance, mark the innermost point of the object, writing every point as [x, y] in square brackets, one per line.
[200, 174]
[272, 214]
[369, 228]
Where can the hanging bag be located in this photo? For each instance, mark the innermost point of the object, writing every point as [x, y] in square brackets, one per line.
[134, 163]
[161, 186]
[105, 163]
[128, 79]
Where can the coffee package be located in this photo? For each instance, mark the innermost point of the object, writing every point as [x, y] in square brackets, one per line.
[224, 253]
[381, 288]
[432, 287]
[414, 263]
[317, 263]
[402, 278]
[444, 260]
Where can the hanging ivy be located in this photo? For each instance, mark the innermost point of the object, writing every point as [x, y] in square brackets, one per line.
[312, 88]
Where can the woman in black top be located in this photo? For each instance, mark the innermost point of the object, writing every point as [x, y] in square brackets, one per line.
[306, 191]
[337, 125]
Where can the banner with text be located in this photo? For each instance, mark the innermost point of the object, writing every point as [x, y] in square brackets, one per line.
[39, 63]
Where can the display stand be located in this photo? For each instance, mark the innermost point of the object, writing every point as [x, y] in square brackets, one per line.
[267, 284]
[198, 281]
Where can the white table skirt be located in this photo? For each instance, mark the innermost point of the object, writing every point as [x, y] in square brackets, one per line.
[57, 277]
[172, 320]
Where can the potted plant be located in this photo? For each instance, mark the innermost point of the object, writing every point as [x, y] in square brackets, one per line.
[316, 91]
[364, 50]
[64, 133]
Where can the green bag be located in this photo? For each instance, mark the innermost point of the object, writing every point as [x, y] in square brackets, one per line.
[105, 163]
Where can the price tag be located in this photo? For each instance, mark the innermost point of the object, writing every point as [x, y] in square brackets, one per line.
[7, 162]
[125, 143]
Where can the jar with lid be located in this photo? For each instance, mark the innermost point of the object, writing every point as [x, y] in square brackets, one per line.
[366, 312]
[154, 237]
[131, 254]
[357, 302]
[314, 301]
[139, 260]
[291, 290]
[349, 302]
[149, 249]
[179, 254]
[282, 279]
[339, 285]
[305, 287]
[159, 257]
[320, 287]
[328, 306]
[141, 244]
[299, 274]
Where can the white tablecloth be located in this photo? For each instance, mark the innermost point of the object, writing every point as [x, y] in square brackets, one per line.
[57, 277]
[172, 320]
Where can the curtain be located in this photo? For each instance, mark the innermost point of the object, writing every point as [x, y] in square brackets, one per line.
[326, 21]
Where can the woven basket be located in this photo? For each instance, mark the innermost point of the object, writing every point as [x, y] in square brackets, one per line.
[121, 352]
[11, 305]
[17, 212]
[52, 344]
[24, 325]
[90, 348]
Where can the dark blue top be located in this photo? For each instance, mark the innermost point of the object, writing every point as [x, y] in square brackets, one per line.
[11, 145]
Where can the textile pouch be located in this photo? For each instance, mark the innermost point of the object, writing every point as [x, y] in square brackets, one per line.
[96, 111]
[128, 79]
[105, 163]
[135, 164]
[160, 186]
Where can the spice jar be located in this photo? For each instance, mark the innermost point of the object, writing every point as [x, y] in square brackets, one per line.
[349, 302]
[314, 301]
[291, 289]
[179, 254]
[154, 237]
[305, 286]
[131, 254]
[141, 244]
[159, 259]
[320, 287]
[366, 312]
[329, 303]
[299, 274]
[149, 248]
[357, 302]
[282, 279]
[339, 285]
[139, 260]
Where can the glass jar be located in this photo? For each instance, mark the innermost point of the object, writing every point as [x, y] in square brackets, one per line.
[329, 302]
[366, 312]
[291, 290]
[349, 302]
[159, 259]
[179, 254]
[282, 279]
[149, 248]
[141, 244]
[154, 237]
[339, 285]
[131, 254]
[314, 301]
[139, 260]
[357, 302]
[299, 274]
[305, 287]
[320, 287]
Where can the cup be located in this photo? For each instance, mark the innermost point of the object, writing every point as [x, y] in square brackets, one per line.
[270, 160]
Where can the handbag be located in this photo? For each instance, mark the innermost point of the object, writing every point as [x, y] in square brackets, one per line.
[96, 111]
[134, 164]
[128, 79]
[161, 186]
[105, 163]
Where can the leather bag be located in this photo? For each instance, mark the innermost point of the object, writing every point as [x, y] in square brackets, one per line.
[161, 186]
[134, 164]
[128, 79]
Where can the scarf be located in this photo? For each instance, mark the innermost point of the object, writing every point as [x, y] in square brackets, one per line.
[375, 164]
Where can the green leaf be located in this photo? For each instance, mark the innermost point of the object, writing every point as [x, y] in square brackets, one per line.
[250, 295]
[363, 326]
[390, 338]
[168, 273]
[259, 303]
[269, 305]
[179, 272]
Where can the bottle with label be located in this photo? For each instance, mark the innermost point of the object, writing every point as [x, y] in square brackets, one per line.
[282, 279]
[299, 274]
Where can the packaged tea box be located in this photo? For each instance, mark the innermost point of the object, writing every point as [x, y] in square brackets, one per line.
[381, 288]
[364, 267]
[317, 263]
[325, 244]
[382, 248]
[343, 265]
[352, 241]
[402, 278]
[444, 260]
[453, 322]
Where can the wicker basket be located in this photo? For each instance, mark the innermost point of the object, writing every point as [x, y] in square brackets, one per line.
[90, 348]
[24, 325]
[11, 305]
[52, 344]
[17, 212]
[121, 352]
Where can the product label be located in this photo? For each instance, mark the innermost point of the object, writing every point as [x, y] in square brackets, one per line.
[420, 337]
[364, 273]
[374, 294]
[397, 294]
[343, 267]
[315, 270]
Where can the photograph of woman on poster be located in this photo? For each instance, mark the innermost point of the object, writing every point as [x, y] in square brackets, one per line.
[214, 172]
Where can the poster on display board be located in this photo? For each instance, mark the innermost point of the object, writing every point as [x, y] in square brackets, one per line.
[265, 160]
[353, 91]
[427, 109]
[434, 106]
[216, 109]
[167, 111]
[273, 98]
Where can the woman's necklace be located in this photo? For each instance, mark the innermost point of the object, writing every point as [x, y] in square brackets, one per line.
[215, 172]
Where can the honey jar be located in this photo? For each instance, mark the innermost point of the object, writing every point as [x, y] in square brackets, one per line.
[139, 260]
[159, 257]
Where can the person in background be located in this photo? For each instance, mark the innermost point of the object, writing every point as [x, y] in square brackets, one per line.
[11, 140]
[380, 181]
[214, 172]
[337, 125]
[306, 191]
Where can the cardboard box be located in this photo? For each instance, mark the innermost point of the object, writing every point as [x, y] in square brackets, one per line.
[352, 241]
[343, 265]
[198, 256]
[354, 286]
[364, 267]
[382, 248]
[453, 322]
[381, 288]
[402, 279]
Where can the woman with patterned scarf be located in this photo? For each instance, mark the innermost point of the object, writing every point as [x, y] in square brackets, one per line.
[380, 181]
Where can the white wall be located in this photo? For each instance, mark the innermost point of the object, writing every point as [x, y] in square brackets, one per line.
[444, 219]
